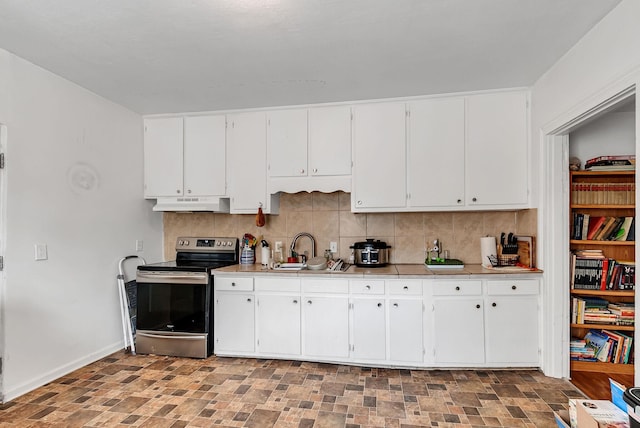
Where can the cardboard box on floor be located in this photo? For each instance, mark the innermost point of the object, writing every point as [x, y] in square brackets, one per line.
[597, 414]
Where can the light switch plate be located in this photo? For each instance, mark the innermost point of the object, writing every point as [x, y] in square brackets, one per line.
[41, 251]
[333, 247]
[139, 244]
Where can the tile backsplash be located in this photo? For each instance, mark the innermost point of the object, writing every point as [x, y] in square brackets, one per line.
[328, 217]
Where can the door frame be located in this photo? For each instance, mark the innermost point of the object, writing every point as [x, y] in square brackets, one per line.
[3, 247]
[553, 229]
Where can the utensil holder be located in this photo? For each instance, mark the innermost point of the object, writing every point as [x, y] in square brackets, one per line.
[247, 256]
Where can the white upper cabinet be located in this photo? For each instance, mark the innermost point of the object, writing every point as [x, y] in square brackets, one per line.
[435, 153]
[496, 150]
[287, 142]
[205, 155]
[163, 157]
[184, 156]
[247, 165]
[379, 151]
[309, 149]
[330, 141]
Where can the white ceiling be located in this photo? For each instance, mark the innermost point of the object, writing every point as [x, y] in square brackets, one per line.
[161, 56]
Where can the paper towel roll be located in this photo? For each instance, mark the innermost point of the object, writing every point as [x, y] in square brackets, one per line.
[488, 248]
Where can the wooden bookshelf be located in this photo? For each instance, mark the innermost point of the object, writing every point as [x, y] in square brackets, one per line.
[624, 182]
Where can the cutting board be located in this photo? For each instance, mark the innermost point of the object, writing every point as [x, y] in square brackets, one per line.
[527, 250]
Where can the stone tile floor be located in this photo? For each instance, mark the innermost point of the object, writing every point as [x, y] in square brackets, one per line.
[127, 390]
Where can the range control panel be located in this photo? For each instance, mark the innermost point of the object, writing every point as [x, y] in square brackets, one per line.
[206, 245]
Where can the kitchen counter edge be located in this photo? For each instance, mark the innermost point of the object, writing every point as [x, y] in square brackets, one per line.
[386, 272]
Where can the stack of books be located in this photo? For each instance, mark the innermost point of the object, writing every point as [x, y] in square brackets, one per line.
[602, 228]
[602, 193]
[611, 163]
[580, 351]
[594, 310]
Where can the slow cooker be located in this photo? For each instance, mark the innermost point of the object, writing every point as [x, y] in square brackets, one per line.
[371, 253]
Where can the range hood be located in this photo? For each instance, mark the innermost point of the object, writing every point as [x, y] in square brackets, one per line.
[195, 203]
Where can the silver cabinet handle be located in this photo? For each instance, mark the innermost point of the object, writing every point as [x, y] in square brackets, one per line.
[359, 202]
[302, 171]
[315, 169]
[309, 302]
[189, 191]
[368, 287]
[178, 191]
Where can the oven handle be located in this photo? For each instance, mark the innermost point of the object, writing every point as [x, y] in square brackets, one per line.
[172, 277]
[165, 336]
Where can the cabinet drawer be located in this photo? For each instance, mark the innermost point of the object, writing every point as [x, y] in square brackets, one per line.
[402, 287]
[241, 284]
[329, 286]
[516, 286]
[366, 286]
[457, 288]
[291, 285]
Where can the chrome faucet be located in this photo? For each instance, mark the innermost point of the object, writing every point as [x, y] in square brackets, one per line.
[308, 235]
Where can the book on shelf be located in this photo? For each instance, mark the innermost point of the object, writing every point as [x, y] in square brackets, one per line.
[631, 236]
[623, 232]
[596, 272]
[595, 224]
[613, 167]
[605, 193]
[601, 228]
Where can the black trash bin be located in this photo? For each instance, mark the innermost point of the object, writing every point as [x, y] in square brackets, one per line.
[632, 398]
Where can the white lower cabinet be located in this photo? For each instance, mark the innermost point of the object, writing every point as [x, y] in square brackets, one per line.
[398, 322]
[511, 322]
[325, 324]
[492, 323]
[368, 328]
[405, 330]
[459, 330]
[234, 322]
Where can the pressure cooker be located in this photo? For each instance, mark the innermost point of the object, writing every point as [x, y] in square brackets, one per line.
[371, 253]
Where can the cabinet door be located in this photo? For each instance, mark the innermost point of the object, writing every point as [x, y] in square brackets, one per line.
[234, 323]
[278, 324]
[163, 156]
[511, 328]
[459, 330]
[330, 141]
[368, 328]
[287, 142]
[326, 326]
[405, 330]
[204, 155]
[436, 153]
[247, 154]
[496, 153]
[379, 156]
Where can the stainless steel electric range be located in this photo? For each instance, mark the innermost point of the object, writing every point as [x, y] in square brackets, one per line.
[175, 299]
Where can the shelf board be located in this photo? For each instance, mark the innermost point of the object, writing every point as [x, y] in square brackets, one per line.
[605, 327]
[604, 173]
[601, 206]
[606, 243]
[611, 293]
[596, 366]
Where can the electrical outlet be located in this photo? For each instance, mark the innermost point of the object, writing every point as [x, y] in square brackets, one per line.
[139, 244]
[333, 247]
[278, 246]
[41, 251]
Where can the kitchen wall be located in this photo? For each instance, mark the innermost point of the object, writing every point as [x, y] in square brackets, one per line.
[74, 182]
[327, 217]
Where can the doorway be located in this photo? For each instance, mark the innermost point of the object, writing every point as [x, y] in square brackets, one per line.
[556, 220]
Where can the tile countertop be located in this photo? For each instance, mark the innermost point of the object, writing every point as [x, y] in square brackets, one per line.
[389, 271]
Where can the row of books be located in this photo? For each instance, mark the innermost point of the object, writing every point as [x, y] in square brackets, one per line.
[603, 193]
[600, 273]
[610, 346]
[602, 228]
[594, 310]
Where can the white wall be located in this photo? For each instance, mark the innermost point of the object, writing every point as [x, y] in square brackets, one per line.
[612, 134]
[75, 178]
[605, 58]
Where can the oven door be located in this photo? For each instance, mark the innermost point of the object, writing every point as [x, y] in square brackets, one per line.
[174, 313]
